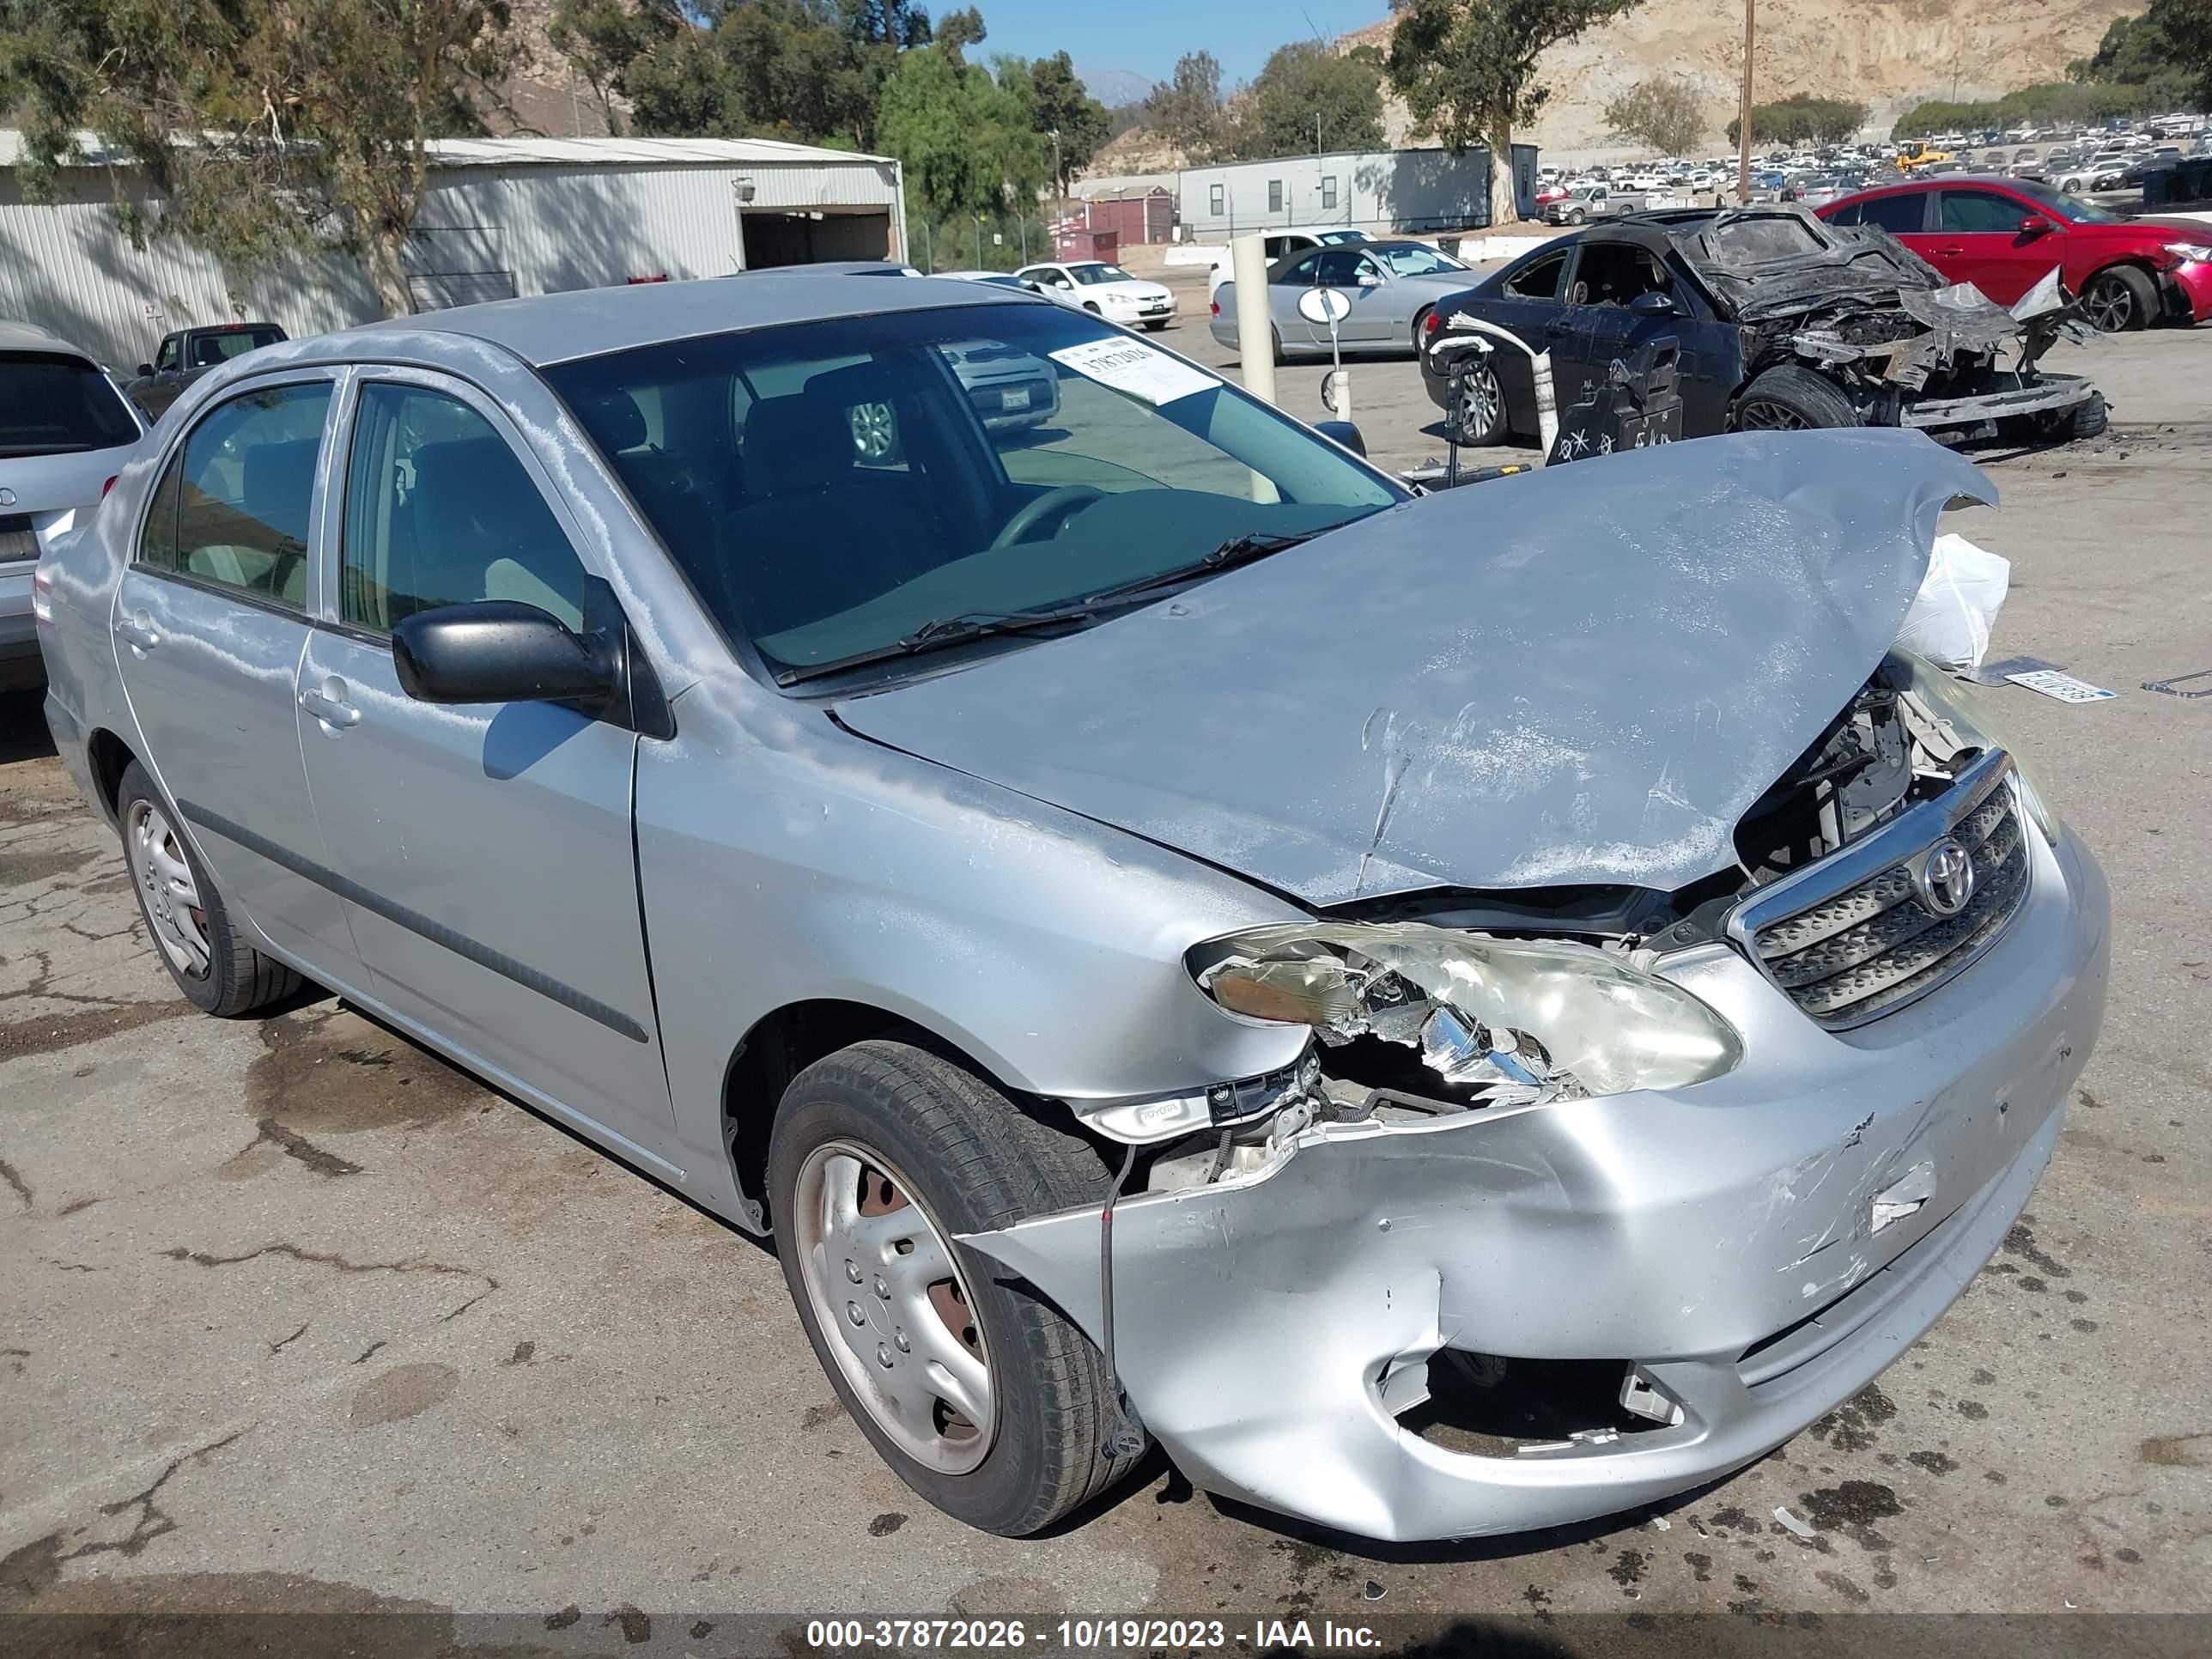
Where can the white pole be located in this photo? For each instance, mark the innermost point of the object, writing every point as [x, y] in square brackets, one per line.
[1255, 335]
[1339, 379]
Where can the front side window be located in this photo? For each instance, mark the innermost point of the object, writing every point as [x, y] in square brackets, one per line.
[246, 502]
[441, 511]
[54, 404]
[1338, 267]
[168, 356]
[833, 490]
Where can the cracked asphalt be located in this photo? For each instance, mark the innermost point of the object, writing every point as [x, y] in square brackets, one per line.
[297, 1320]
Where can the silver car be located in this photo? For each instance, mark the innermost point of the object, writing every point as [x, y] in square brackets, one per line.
[65, 431]
[1392, 287]
[1444, 1025]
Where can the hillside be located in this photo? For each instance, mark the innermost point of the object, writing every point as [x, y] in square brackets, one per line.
[1892, 53]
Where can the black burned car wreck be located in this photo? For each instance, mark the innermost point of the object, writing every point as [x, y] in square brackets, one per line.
[1683, 323]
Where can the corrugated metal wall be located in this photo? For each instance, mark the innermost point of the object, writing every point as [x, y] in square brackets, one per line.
[66, 268]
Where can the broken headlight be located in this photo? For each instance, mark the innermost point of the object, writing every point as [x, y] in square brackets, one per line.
[1962, 706]
[1550, 1018]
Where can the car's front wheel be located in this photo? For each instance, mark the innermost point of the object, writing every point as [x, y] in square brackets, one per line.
[210, 961]
[980, 1396]
[2119, 300]
[1787, 399]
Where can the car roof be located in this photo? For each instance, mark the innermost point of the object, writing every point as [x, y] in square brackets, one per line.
[29, 337]
[557, 328]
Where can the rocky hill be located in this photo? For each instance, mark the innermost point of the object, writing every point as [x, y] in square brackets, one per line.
[1891, 53]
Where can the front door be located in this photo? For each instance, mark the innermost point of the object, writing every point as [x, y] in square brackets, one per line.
[209, 622]
[486, 849]
[1978, 240]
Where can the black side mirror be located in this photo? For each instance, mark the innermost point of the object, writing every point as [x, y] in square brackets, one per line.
[1652, 303]
[146, 369]
[497, 651]
[1345, 433]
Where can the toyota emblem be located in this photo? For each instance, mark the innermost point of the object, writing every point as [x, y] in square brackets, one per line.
[1947, 879]
[7, 496]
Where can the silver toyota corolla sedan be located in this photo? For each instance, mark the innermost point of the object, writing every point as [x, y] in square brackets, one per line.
[1446, 1021]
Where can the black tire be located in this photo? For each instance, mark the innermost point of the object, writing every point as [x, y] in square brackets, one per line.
[1575, 215]
[2084, 420]
[2119, 300]
[1787, 397]
[1275, 345]
[1420, 322]
[1154, 328]
[972, 1161]
[239, 980]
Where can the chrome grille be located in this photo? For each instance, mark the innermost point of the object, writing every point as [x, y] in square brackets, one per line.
[1853, 938]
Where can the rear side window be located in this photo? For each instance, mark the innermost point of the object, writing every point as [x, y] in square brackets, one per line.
[1899, 215]
[440, 511]
[1539, 280]
[211, 349]
[1981, 210]
[243, 512]
[58, 405]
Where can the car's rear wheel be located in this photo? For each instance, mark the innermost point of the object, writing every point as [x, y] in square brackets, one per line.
[1787, 399]
[980, 1396]
[1478, 403]
[210, 961]
[2119, 300]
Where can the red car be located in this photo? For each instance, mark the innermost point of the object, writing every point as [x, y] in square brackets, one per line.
[2004, 234]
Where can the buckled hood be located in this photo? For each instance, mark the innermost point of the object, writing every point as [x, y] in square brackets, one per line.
[1580, 675]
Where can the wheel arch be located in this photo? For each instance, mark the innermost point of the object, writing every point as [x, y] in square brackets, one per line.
[786, 1041]
[109, 758]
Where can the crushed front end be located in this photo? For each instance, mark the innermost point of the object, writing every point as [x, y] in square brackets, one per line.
[1584, 1197]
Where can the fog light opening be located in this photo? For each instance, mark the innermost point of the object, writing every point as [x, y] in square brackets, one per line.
[1483, 1404]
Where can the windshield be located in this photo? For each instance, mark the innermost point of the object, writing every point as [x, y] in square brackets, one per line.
[831, 488]
[58, 405]
[2072, 208]
[1088, 275]
[1410, 259]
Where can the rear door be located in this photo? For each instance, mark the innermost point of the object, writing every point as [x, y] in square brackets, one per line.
[1978, 240]
[209, 622]
[484, 850]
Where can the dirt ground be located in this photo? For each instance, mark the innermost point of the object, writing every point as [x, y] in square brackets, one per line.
[297, 1320]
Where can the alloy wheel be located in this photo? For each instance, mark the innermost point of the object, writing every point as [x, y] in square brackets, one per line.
[881, 1276]
[1480, 401]
[873, 434]
[164, 876]
[1761, 415]
[2108, 305]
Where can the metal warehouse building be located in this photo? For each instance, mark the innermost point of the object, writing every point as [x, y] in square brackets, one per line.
[1376, 190]
[501, 217]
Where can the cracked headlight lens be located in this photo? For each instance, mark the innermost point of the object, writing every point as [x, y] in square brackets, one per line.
[1559, 1018]
[1962, 706]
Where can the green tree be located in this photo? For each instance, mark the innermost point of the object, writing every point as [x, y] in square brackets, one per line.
[1661, 113]
[956, 31]
[2186, 26]
[262, 126]
[1186, 110]
[1073, 122]
[601, 38]
[1304, 89]
[1466, 69]
[800, 70]
[1801, 118]
[967, 143]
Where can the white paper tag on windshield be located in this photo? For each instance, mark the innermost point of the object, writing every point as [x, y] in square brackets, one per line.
[1133, 367]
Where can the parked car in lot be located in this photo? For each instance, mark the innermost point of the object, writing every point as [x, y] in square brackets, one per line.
[65, 431]
[184, 355]
[1292, 238]
[1392, 287]
[1766, 317]
[2004, 235]
[1104, 290]
[964, 863]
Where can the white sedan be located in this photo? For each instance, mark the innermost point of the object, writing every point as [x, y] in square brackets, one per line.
[1104, 290]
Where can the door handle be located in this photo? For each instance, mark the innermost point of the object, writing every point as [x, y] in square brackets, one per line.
[138, 636]
[1952, 252]
[330, 706]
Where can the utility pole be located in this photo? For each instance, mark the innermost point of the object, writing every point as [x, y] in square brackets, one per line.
[1743, 112]
[1059, 181]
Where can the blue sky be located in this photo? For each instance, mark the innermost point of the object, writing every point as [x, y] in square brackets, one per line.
[1148, 36]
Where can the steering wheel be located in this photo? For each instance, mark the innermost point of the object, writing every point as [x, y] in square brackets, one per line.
[1065, 501]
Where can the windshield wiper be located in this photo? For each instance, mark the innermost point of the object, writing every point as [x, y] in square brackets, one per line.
[1253, 545]
[939, 632]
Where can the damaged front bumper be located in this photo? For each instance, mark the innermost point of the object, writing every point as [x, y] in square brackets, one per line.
[1747, 1253]
[2050, 395]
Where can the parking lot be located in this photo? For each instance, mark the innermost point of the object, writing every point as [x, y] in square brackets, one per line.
[301, 1320]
